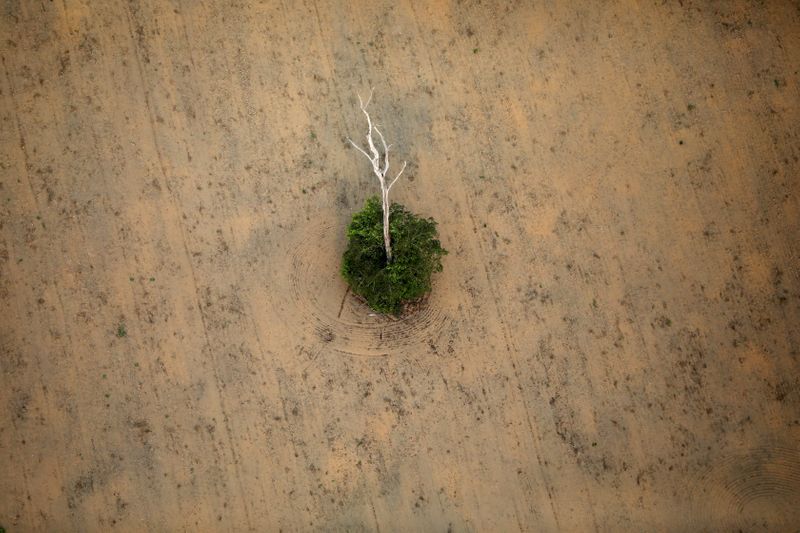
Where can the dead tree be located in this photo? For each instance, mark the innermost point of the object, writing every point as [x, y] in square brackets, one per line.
[380, 166]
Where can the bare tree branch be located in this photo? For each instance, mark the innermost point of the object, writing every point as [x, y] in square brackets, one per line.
[385, 151]
[375, 159]
[360, 149]
[372, 90]
[375, 154]
[396, 177]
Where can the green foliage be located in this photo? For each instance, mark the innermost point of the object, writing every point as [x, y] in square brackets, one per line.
[416, 255]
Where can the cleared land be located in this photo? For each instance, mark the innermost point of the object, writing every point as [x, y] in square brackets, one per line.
[613, 344]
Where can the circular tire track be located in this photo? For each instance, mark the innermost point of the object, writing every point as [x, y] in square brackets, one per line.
[313, 287]
[753, 490]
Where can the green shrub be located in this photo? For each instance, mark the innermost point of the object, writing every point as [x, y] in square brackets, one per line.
[416, 255]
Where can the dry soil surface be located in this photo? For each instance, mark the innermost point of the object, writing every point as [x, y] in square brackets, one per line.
[613, 343]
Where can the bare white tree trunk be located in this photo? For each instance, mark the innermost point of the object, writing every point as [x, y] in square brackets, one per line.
[380, 166]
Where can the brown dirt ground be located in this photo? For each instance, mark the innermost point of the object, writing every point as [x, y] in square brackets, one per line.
[613, 344]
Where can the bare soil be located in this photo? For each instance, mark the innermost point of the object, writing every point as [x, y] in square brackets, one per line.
[613, 343]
